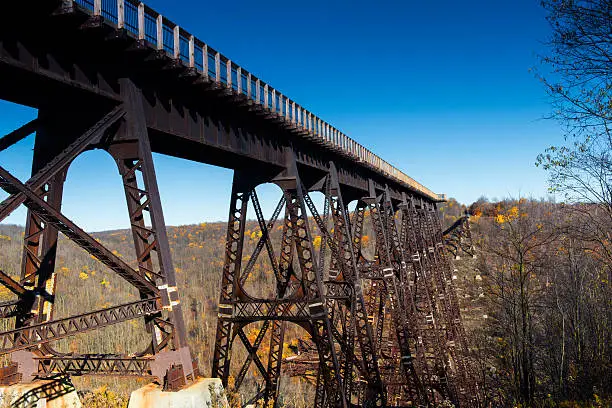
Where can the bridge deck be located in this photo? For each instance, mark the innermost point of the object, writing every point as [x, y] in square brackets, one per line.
[172, 51]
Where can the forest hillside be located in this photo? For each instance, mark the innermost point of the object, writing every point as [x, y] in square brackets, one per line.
[534, 295]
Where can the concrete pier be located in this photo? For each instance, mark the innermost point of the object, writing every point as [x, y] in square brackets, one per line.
[205, 392]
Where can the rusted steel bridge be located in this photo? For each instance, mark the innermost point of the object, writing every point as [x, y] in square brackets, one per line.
[118, 76]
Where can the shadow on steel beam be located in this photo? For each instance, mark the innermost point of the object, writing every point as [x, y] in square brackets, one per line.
[56, 387]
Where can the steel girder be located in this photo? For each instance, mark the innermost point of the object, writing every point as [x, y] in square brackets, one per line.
[300, 295]
[411, 306]
[123, 134]
[387, 331]
[345, 274]
[389, 325]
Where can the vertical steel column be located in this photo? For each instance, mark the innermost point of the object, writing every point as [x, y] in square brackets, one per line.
[467, 388]
[446, 293]
[398, 310]
[145, 242]
[277, 334]
[357, 223]
[313, 280]
[347, 246]
[231, 275]
[407, 295]
[434, 331]
[275, 360]
[132, 151]
[39, 253]
[54, 133]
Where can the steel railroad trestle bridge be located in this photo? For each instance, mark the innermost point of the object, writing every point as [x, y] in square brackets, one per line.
[118, 76]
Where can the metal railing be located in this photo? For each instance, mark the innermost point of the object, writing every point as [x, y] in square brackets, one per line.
[164, 35]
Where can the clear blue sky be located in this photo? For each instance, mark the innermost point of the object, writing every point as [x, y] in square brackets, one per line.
[440, 89]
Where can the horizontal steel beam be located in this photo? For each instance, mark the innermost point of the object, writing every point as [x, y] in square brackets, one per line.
[261, 310]
[29, 336]
[94, 364]
[8, 309]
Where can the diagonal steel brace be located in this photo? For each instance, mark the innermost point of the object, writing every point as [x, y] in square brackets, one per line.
[91, 136]
[12, 185]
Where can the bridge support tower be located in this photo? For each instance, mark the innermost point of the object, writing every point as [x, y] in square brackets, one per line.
[60, 138]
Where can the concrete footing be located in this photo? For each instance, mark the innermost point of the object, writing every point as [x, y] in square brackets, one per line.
[205, 392]
[57, 393]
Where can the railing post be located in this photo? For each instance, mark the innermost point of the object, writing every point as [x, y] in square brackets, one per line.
[266, 95]
[217, 67]
[281, 106]
[97, 10]
[177, 42]
[249, 93]
[205, 60]
[258, 91]
[191, 51]
[228, 68]
[120, 14]
[159, 24]
[239, 79]
[141, 22]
